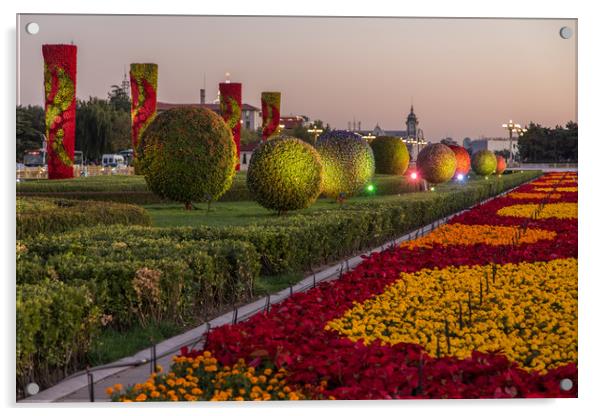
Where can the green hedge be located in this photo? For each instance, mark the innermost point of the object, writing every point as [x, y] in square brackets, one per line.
[38, 215]
[304, 241]
[55, 326]
[196, 276]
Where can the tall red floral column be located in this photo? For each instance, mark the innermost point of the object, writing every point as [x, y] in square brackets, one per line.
[230, 105]
[143, 82]
[270, 113]
[60, 68]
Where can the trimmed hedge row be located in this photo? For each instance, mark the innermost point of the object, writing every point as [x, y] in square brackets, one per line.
[140, 195]
[305, 241]
[195, 275]
[38, 215]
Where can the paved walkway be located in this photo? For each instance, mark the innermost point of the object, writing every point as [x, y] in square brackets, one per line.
[75, 388]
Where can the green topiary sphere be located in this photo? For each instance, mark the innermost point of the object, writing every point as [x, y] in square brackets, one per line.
[391, 155]
[187, 155]
[285, 174]
[483, 162]
[436, 163]
[348, 162]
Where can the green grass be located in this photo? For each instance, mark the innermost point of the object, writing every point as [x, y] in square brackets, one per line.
[112, 345]
[133, 189]
[239, 213]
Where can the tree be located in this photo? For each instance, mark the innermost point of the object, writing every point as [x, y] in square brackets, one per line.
[248, 136]
[543, 144]
[30, 129]
[119, 98]
[100, 128]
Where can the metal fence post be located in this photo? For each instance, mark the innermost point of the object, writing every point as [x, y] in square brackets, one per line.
[90, 383]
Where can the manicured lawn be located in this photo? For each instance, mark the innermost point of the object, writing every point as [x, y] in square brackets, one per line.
[249, 212]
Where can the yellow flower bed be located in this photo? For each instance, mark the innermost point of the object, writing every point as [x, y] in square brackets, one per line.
[463, 234]
[529, 313]
[562, 210]
[558, 189]
[203, 378]
[532, 195]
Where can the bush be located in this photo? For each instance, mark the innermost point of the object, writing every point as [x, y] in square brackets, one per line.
[195, 277]
[436, 163]
[501, 165]
[462, 160]
[301, 242]
[285, 174]
[188, 155]
[38, 215]
[55, 325]
[390, 155]
[484, 162]
[348, 162]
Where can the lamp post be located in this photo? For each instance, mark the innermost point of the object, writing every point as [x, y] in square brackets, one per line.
[315, 131]
[512, 128]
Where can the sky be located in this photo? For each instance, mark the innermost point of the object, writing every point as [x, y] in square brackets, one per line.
[465, 77]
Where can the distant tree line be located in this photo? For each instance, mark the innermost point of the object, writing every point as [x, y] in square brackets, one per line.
[544, 145]
[101, 126]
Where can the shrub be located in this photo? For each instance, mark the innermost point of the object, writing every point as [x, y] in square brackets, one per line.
[484, 162]
[501, 165]
[462, 160]
[188, 155]
[305, 241]
[195, 276]
[436, 163]
[38, 215]
[348, 162]
[390, 155]
[55, 325]
[285, 174]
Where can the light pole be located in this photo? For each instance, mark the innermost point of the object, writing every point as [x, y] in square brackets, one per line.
[512, 128]
[315, 131]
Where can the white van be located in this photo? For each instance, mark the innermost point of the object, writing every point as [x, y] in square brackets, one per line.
[113, 161]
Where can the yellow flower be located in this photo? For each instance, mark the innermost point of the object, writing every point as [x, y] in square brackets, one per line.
[528, 312]
[561, 210]
[109, 391]
[141, 397]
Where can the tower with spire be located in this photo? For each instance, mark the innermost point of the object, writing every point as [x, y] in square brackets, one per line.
[412, 124]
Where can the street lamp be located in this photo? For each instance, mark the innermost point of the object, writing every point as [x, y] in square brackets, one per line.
[512, 128]
[315, 131]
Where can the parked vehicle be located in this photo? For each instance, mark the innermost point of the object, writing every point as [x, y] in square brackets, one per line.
[113, 161]
[128, 155]
[34, 158]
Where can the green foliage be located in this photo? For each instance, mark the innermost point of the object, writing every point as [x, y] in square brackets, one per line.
[285, 174]
[55, 325]
[308, 240]
[348, 162]
[186, 278]
[119, 98]
[483, 162]
[38, 215]
[248, 136]
[543, 144]
[188, 155]
[101, 128]
[436, 163]
[390, 155]
[30, 128]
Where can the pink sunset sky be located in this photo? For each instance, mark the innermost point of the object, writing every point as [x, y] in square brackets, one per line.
[465, 77]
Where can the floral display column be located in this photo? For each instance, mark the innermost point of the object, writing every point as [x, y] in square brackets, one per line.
[230, 105]
[143, 81]
[60, 68]
[270, 110]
